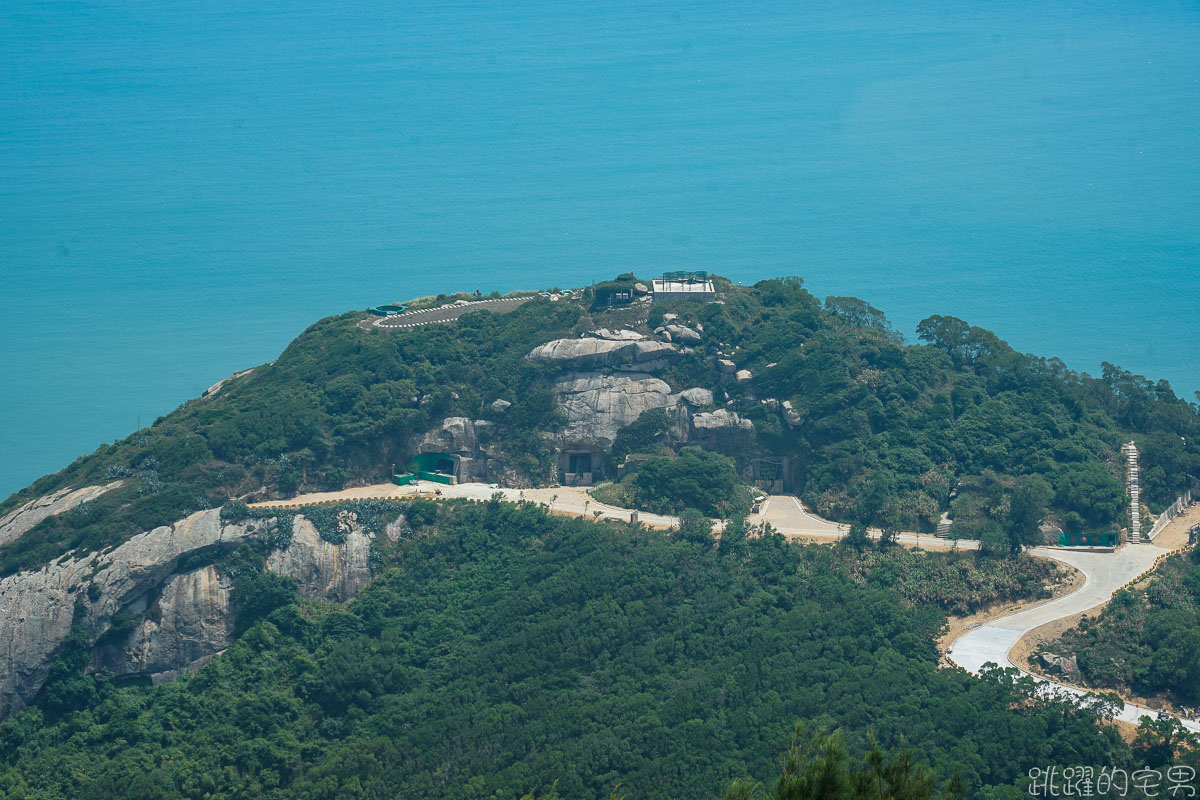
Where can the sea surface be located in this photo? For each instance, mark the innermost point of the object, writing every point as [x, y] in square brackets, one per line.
[185, 186]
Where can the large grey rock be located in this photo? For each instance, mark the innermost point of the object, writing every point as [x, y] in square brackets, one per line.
[182, 629]
[616, 336]
[597, 406]
[697, 397]
[500, 406]
[743, 375]
[790, 415]
[455, 435]
[593, 353]
[721, 430]
[721, 420]
[682, 333]
[16, 523]
[324, 570]
[37, 608]
[1065, 666]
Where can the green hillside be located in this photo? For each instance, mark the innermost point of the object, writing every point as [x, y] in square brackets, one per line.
[880, 431]
[506, 651]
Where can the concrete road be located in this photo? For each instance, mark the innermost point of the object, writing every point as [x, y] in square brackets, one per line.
[787, 515]
[413, 319]
[568, 500]
[1103, 574]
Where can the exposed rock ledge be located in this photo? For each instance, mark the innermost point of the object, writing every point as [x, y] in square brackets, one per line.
[598, 406]
[180, 620]
[328, 571]
[15, 524]
[616, 350]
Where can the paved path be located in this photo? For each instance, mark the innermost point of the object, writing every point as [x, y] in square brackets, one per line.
[1103, 572]
[449, 313]
[567, 500]
[788, 516]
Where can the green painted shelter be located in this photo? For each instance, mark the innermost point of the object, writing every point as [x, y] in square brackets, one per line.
[1087, 540]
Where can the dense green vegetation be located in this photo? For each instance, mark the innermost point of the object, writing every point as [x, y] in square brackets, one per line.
[338, 403]
[506, 651]
[696, 479]
[884, 433]
[1147, 640]
[879, 432]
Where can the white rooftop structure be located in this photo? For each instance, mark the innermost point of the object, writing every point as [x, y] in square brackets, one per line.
[671, 288]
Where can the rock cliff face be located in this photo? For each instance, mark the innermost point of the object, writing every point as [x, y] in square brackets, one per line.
[37, 609]
[182, 629]
[607, 382]
[14, 524]
[598, 405]
[323, 570]
[177, 621]
[592, 353]
[456, 435]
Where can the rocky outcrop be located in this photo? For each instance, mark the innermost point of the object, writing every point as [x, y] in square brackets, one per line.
[591, 353]
[697, 397]
[721, 420]
[182, 629]
[215, 389]
[169, 622]
[597, 406]
[616, 336]
[682, 333]
[397, 529]
[456, 435]
[15, 524]
[324, 570]
[37, 609]
[1065, 666]
[790, 415]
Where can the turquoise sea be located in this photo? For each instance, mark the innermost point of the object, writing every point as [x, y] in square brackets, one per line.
[184, 186]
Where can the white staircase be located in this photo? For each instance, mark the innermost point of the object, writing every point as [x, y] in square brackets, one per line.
[1135, 514]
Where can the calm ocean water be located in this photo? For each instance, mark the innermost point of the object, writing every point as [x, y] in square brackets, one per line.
[185, 186]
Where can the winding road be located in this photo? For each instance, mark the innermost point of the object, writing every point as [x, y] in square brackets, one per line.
[991, 642]
[447, 313]
[1103, 573]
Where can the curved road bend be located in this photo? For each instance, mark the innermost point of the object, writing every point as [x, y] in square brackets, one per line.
[426, 316]
[788, 516]
[1103, 574]
[991, 642]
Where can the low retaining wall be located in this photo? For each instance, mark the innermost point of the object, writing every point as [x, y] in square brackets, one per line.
[1171, 513]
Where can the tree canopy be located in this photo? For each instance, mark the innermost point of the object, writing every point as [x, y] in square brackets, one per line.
[502, 651]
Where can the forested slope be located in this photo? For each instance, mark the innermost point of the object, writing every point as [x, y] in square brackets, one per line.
[874, 430]
[1146, 642]
[506, 650]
